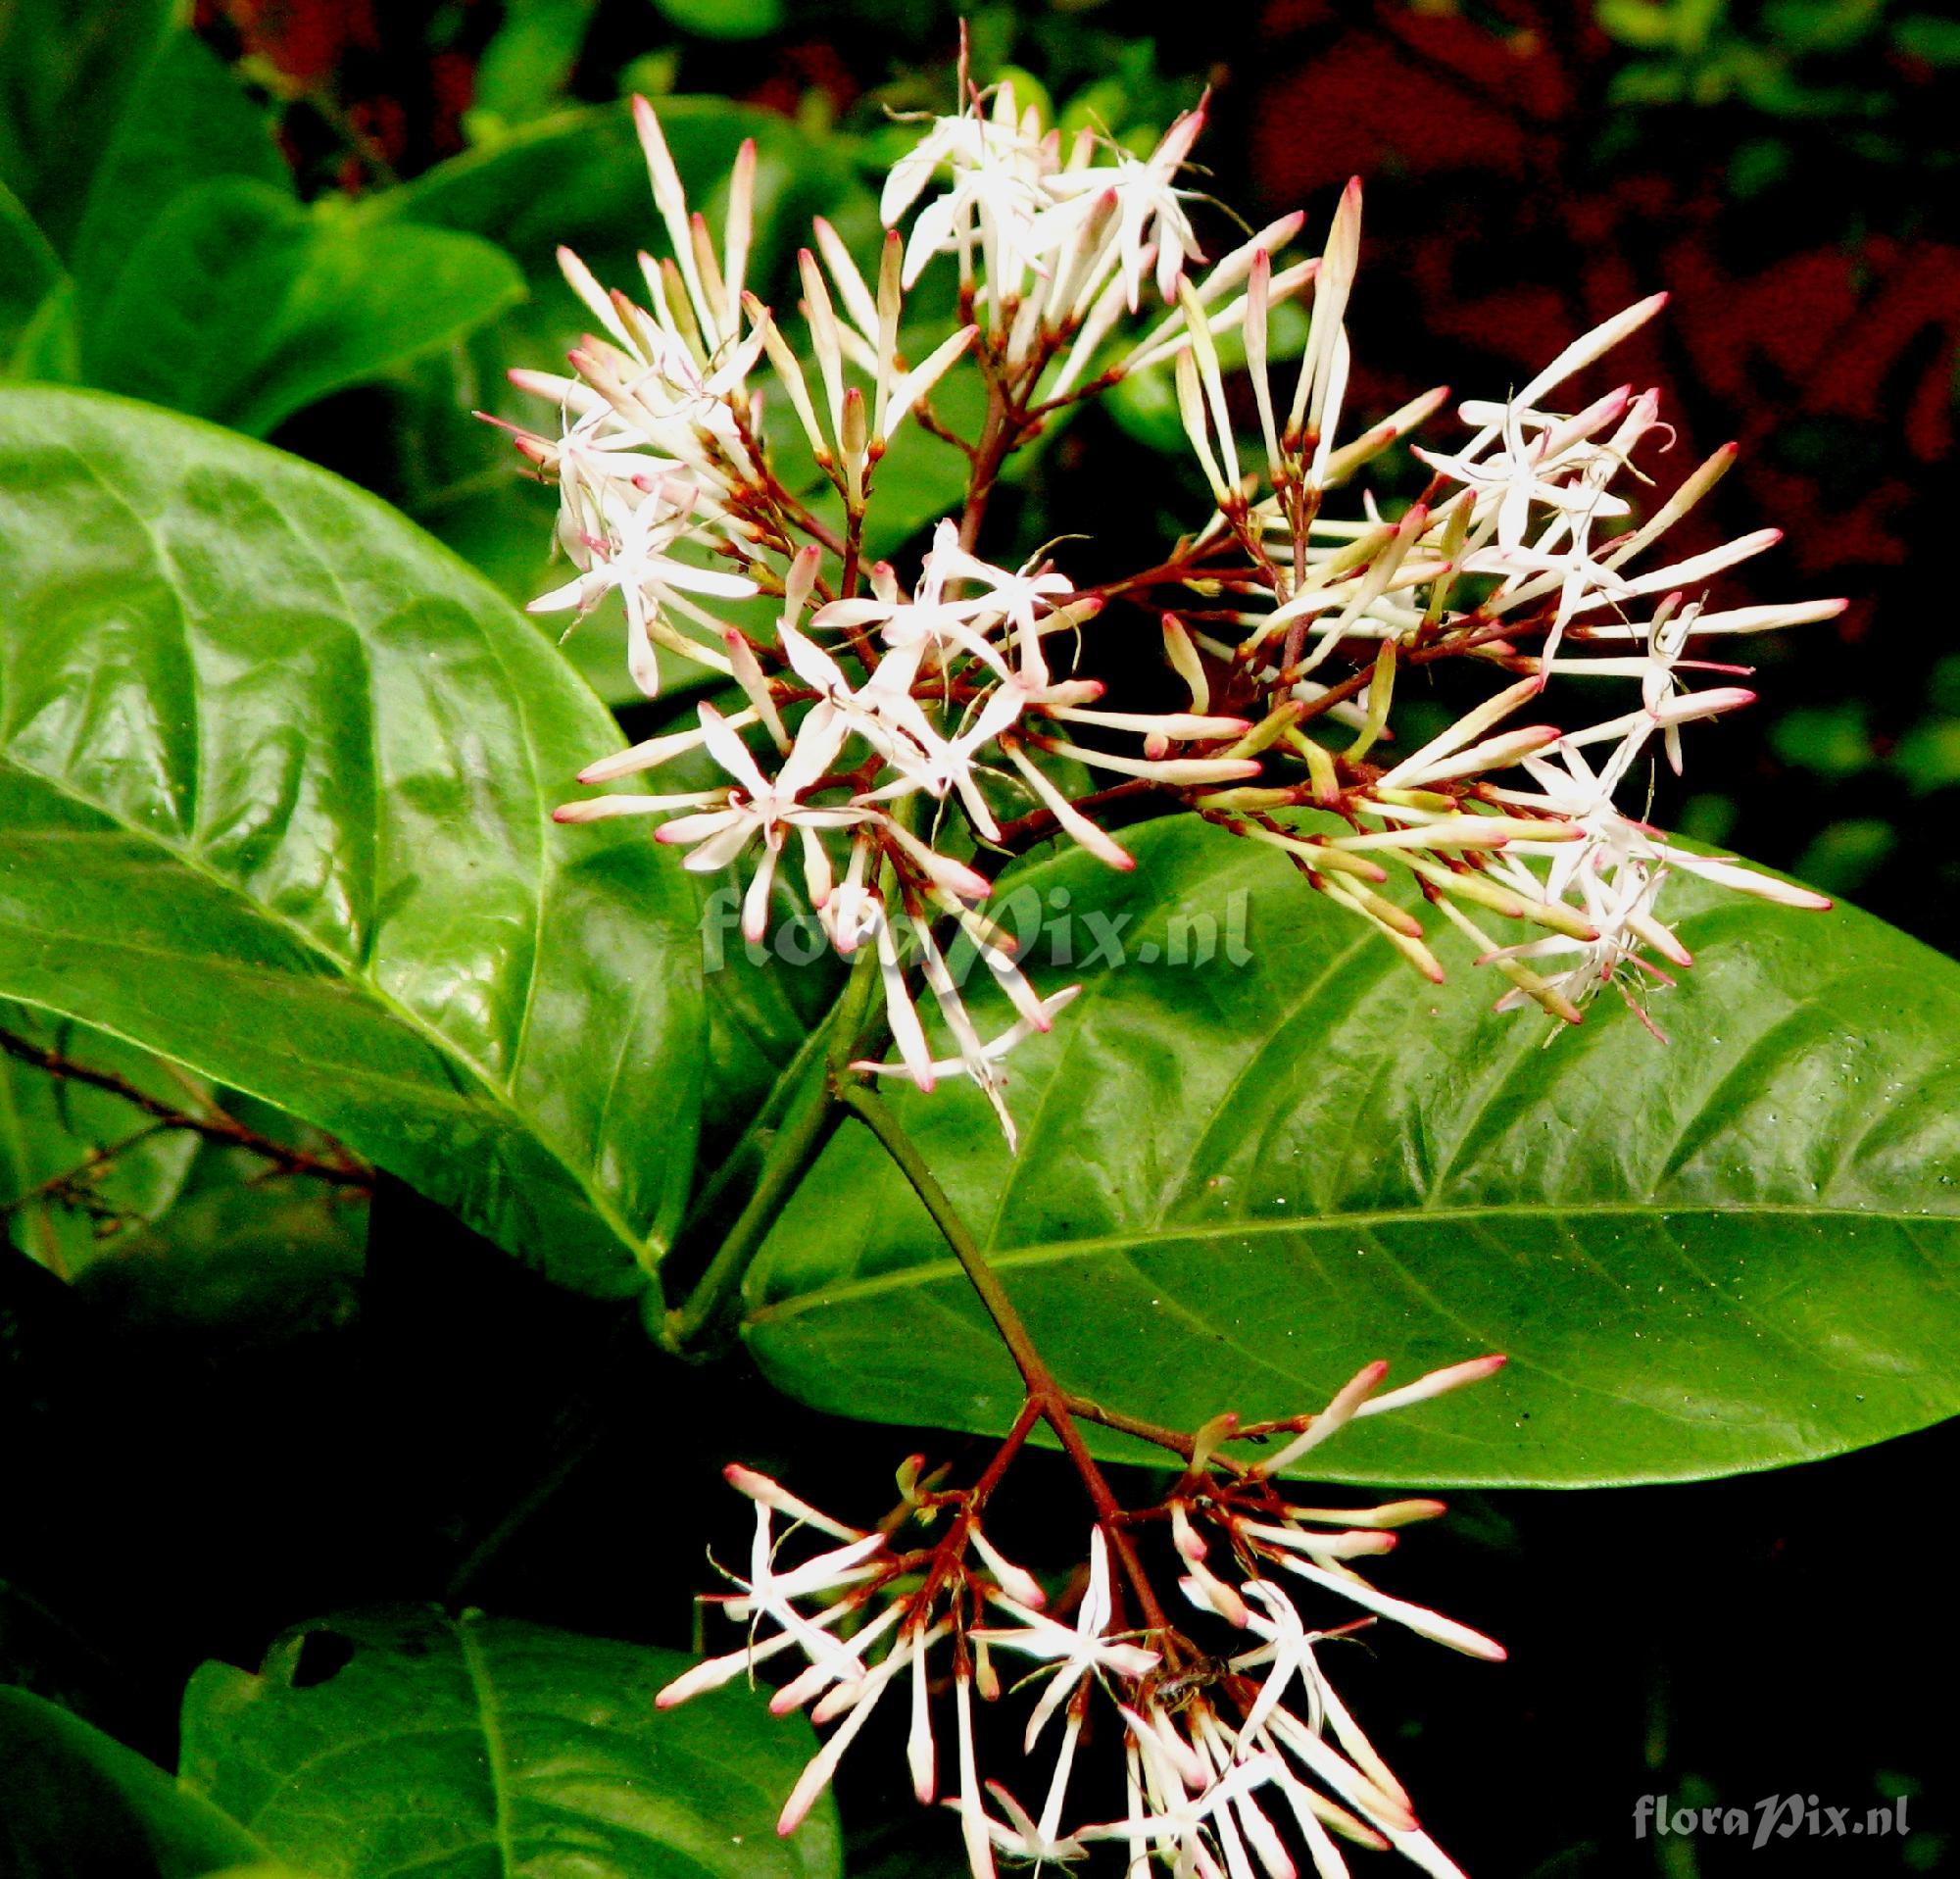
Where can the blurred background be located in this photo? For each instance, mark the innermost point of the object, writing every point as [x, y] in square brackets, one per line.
[334, 224]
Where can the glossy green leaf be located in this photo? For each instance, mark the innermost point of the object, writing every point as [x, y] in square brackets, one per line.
[81, 1169]
[399, 1741]
[75, 1805]
[275, 777]
[240, 306]
[1243, 1176]
[67, 71]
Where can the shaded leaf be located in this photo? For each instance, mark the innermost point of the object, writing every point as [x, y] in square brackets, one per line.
[30, 269]
[45, 346]
[725, 19]
[240, 306]
[527, 64]
[67, 70]
[1242, 1177]
[188, 122]
[80, 1168]
[387, 1741]
[259, 1260]
[275, 777]
[79, 1806]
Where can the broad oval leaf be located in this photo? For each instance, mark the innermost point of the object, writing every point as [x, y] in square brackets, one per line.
[275, 781]
[400, 1740]
[79, 1806]
[1245, 1175]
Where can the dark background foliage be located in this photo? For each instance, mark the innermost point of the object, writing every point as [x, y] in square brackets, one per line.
[433, 1425]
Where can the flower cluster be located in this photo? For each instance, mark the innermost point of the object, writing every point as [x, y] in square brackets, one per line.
[907, 733]
[1238, 1753]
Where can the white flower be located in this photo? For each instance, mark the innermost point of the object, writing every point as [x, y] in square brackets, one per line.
[1149, 210]
[972, 1810]
[1075, 1651]
[981, 1061]
[859, 1700]
[1020, 599]
[853, 912]
[1361, 1778]
[925, 760]
[1184, 1820]
[925, 624]
[996, 165]
[1658, 670]
[634, 560]
[603, 468]
[1539, 471]
[1037, 1842]
[766, 807]
[769, 1595]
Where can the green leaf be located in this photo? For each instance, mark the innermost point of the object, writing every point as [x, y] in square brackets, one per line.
[67, 70]
[80, 1166]
[254, 1258]
[393, 1740]
[1820, 25]
[1924, 36]
[1245, 1176]
[44, 346]
[579, 178]
[275, 777]
[526, 65]
[240, 306]
[79, 1805]
[188, 122]
[724, 19]
[30, 269]
[1842, 855]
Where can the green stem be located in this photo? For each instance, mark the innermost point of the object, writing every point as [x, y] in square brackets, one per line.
[796, 1145]
[797, 1121]
[873, 1113]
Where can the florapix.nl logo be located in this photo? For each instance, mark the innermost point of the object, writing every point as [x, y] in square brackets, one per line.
[1042, 930]
[1776, 1816]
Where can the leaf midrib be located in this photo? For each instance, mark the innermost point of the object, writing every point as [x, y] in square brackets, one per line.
[496, 1753]
[1048, 1252]
[498, 1096]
